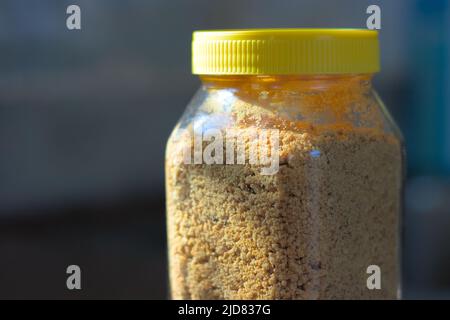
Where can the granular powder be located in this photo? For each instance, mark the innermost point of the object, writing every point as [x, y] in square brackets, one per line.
[310, 231]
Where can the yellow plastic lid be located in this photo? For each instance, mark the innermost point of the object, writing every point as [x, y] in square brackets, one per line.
[285, 51]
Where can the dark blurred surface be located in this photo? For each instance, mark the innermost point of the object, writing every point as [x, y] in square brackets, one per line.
[84, 117]
[119, 247]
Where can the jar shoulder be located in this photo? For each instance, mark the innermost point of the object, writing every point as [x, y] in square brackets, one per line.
[310, 112]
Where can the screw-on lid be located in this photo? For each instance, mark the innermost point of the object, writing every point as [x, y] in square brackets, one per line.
[285, 51]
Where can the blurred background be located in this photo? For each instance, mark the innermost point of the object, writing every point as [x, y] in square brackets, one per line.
[84, 117]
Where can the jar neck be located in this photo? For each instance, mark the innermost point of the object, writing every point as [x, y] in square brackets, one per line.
[359, 82]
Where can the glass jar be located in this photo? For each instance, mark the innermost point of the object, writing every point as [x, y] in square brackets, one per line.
[284, 175]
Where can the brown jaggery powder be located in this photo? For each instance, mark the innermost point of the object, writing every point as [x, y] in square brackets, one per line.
[307, 232]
